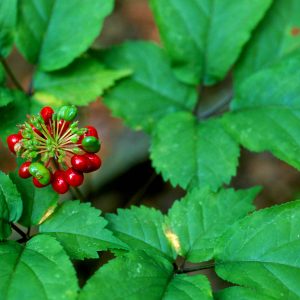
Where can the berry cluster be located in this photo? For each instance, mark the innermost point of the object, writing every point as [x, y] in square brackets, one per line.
[56, 151]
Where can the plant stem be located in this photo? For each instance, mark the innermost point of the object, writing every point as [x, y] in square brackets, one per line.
[19, 231]
[11, 74]
[76, 192]
[136, 199]
[196, 268]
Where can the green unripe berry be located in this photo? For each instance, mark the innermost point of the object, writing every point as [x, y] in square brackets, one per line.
[40, 172]
[67, 113]
[90, 144]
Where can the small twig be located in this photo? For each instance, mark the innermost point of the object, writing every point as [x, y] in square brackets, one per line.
[141, 192]
[11, 74]
[19, 231]
[218, 107]
[77, 194]
[196, 268]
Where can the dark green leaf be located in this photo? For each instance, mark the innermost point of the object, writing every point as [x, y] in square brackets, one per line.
[205, 37]
[152, 91]
[80, 229]
[10, 205]
[52, 33]
[200, 219]
[6, 96]
[240, 293]
[14, 113]
[262, 252]
[138, 275]
[39, 270]
[8, 13]
[36, 202]
[141, 228]
[79, 84]
[277, 36]
[266, 112]
[193, 154]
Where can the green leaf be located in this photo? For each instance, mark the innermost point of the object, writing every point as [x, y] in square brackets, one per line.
[8, 14]
[2, 82]
[141, 228]
[193, 154]
[262, 252]
[53, 33]
[6, 96]
[39, 270]
[10, 205]
[203, 37]
[138, 275]
[185, 287]
[152, 91]
[80, 83]
[13, 113]
[80, 230]
[266, 112]
[240, 293]
[201, 218]
[275, 37]
[37, 203]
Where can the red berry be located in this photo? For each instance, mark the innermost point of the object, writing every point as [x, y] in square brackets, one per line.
[46, 113]
[63, 126]
[91, 131]
[59, 183]
[36, 130]
[37, 183]
[24, 171]
[12, 140]
[81, 163]
[73, 177]
[95, 160]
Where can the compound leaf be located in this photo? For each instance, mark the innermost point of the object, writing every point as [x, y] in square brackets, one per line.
[141, 228]
[152, 91]
[80, 230]
[193, 154]
[38, 270]
[200, 219]
[262, 252]
[52, 33]
[204, 37]
[79, 84]
[277, 36]
[144, 275]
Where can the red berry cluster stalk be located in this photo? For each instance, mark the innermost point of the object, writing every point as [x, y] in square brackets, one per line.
[56, 151]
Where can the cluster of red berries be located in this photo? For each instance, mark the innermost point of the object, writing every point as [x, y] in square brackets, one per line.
[56, 151]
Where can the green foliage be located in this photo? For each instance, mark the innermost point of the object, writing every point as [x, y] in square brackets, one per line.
[162, 91]
[152, 91]
[201, 218]
[6, 97]
[8, 12]
[204, 37]
[39, 270]
[52, 33]
[266, 111]
[80, 230]
[261, 252]
[240, 293]
[272, 40]
[143, 276]
[80, 83]
[184, 151]
[10, 205]
[11, 114]
[36, 202]
[141, 228]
